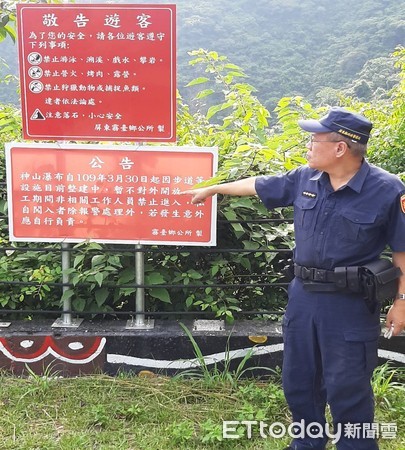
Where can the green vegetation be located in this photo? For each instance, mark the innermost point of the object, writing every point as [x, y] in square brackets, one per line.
[218, 107]
[131, 413]
[219, 372]
[297, 47]
[238, 124]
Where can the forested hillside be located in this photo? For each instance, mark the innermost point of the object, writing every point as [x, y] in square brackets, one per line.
[287, 47]
[291, 47]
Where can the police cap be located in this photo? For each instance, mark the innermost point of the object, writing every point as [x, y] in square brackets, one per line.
[349, 124]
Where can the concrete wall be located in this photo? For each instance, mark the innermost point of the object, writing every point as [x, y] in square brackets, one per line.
[107, 347]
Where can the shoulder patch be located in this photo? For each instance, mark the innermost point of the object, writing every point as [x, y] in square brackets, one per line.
[311, 194]
[403, 203]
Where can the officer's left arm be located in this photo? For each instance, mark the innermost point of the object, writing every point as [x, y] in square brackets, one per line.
[396, 314]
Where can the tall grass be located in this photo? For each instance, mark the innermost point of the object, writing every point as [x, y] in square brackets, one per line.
[220, 371]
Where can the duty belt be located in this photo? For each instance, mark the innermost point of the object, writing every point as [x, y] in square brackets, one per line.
[377, 280]
[341, 278]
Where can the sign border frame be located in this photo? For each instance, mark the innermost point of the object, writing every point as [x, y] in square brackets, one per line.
[173, 77]
[105, 147]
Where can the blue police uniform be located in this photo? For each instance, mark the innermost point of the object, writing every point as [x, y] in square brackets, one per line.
[330, 338]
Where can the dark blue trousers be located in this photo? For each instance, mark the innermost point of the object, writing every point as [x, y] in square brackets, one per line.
[330, 352]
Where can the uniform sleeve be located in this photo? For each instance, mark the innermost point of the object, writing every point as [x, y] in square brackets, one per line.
[396, 225]
[278, 190]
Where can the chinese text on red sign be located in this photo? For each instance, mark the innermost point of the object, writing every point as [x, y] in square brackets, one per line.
[98, 72]
[88, 192]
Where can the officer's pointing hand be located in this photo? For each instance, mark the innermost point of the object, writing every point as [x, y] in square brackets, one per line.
[199, 195]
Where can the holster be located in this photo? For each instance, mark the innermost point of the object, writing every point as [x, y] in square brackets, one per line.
[379, 280]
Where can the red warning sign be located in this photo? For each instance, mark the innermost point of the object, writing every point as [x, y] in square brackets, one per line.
[98, 72]
[73, 193]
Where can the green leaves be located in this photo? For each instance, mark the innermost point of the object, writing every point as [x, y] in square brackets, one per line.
[10, 121]
[126, 276]
[217, 108]
[160, 293]
[101, 296]
[196, 81]
[67, 294]
[154, 278]
[7, 26]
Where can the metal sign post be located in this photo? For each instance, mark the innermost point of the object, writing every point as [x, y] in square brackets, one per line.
[139, 322]
[66, 320]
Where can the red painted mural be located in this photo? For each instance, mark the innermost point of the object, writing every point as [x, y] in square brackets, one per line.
[68, 355]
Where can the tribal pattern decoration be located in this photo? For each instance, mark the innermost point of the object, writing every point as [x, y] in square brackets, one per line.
[74, 355]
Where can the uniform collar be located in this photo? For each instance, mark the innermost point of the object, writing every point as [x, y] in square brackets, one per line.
[355, 183]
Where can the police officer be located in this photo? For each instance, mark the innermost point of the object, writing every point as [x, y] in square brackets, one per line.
[346, 211]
